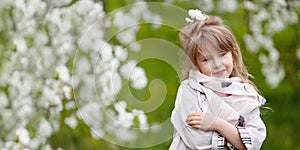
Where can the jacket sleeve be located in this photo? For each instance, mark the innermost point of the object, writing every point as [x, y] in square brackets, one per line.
[253, 133]
[185, 104]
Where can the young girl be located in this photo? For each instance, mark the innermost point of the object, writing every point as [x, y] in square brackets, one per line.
[217, 107]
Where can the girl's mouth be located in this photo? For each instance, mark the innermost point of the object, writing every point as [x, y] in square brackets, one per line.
[221, 72]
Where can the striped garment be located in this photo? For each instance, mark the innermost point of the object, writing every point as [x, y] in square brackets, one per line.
[246, 139]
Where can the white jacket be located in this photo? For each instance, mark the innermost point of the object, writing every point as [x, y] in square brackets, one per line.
[194, 97]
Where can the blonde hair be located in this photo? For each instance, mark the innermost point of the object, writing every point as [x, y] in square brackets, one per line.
[195, 37]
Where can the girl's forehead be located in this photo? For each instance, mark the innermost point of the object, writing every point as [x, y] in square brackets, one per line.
[209, 53]
[208, 43]
[209, 49]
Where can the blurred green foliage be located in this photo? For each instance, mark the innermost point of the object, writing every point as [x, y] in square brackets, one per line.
[282, 122]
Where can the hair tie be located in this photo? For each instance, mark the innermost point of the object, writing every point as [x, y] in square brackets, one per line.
[195, 15]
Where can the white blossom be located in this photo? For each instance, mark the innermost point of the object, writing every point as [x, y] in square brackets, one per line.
[6, 117]
[86, 90]
[128, 23]
[91, 114]
[275, 25]
[97, 133]
[70, 105]
[3, 100]
[23, 135]
[123, 20]
[138, 78]
[290, 16]
[124, 118]
[63, 73]
[250, 5]
[44, 128]
[206, 5]
[124, 134]
[280, 2]
[152, 18]
[128, 35]
[82, 66]
[135, 47]
[139, 7]
[251, 43]
[273, 74]
[71, 121]
[116, 83]
[127, 67]
[35, 142]
[106, 52]
[51, 97]
[21, 44]
[142, 118]
[12, 145]
[265, 41]
[67, 91]
[120, 53]
[261, 16]
[227, 5]
[25, 112]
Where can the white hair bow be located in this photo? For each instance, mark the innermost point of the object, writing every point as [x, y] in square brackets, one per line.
[195, 15]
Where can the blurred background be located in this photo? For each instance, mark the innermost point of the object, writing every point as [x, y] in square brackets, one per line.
[64, 86]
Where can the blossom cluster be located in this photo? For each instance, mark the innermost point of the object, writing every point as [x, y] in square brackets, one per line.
[264, 23]
[113, 67]
[55, 59]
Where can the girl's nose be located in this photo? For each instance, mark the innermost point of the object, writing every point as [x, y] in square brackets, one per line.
[217, 62]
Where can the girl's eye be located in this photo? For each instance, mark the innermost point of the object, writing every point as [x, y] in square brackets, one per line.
[206, 59]
[223, 54]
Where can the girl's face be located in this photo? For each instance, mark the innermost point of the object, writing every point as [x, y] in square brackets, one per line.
[215, 63]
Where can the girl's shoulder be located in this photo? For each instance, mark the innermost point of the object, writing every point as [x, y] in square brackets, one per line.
[185, 82]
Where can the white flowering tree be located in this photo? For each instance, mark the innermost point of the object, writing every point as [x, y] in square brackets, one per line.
[266, 19]
[54, 58]
[70, 55]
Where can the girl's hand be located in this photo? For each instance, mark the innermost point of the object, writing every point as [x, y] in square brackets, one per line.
[203, 121]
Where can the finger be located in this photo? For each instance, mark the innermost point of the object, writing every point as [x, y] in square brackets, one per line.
[194, 118]
[194, 122]
[191, 118]
[196, 126]
[197, 114]
[188, 119]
